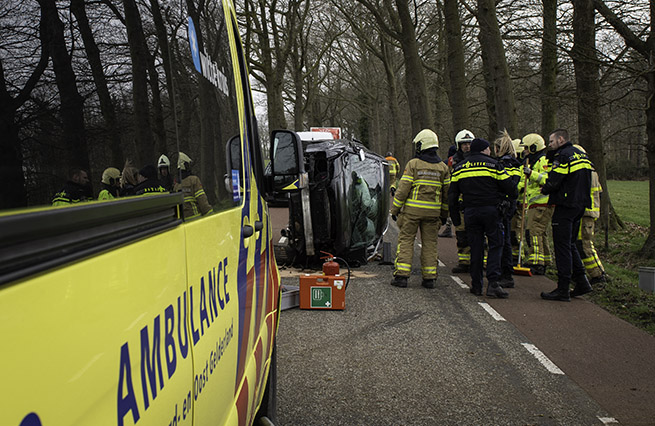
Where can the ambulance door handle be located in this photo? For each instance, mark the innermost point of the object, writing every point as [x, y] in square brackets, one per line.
[248, 231]
[259, 225]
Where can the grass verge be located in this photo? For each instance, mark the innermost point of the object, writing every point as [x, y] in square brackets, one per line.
[622, 296]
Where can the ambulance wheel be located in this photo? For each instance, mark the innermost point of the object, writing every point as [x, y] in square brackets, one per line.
[267, 413]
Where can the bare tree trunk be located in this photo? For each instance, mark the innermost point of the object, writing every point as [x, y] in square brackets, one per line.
[492, 43]
[139, 55]
[549, 68]
[106, 104]
[588, 94]
[456, 68]
[489, 91]
[396, 142]
[72, 103]
[417, 92]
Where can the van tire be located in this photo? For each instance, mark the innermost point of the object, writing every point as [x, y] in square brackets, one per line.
[267, 413]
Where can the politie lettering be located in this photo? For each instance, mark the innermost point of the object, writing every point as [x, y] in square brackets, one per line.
[212, 301]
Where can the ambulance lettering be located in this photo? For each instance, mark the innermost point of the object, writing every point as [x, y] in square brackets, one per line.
[212, 299]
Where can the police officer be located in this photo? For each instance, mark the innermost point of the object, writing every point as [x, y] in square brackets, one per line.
[569, 188]
[420, 203]
[539, 212]
[483, 183]
[75, 190]
[506, 155]
[394, 170]
[463, 141]
[148, 183]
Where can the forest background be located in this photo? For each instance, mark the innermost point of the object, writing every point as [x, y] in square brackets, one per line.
[382, 70]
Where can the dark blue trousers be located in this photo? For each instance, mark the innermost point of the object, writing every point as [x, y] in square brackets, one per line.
[480, 222]
[566, 223]
[507, 259]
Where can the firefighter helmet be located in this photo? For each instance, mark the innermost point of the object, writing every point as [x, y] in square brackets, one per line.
[163, 161]
[464, 136]
[111, 176]
[517, 144]
[183, 161]
[533, 142]
[426, 139]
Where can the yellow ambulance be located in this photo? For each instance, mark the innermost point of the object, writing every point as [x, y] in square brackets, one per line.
[126, 312]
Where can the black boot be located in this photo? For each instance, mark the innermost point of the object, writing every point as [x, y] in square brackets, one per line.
[506, 282]
[399, 281]
[582, 286]
[560, 293]
[429, 283]
[495, 290]
[460, 268]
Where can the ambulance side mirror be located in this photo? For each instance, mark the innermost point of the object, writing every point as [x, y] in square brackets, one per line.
[286, 153]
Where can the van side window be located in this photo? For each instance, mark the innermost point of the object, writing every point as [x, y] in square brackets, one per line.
[99, 122]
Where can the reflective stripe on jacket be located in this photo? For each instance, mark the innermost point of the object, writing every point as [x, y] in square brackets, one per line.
[569, 180]
[536, 180]
[596, 189]
[423, 189]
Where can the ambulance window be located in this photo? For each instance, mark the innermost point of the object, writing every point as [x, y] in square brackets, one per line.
[179, 95]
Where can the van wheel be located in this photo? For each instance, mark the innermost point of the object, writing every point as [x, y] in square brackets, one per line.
[267, 414]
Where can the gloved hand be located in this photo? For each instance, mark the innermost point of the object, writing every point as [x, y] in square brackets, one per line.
[527, 170]
[394, 217]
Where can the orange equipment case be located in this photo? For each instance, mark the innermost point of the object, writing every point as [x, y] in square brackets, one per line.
[322, 292]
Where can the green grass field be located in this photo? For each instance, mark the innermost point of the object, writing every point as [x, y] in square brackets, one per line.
[621, 259]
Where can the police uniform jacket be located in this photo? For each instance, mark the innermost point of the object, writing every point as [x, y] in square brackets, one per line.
[569, 181]
[423, 188]
[71, 193]
[513, 168]
[482, 181]
[149, 187]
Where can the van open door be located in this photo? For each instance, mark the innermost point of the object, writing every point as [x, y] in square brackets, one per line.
[288, 166]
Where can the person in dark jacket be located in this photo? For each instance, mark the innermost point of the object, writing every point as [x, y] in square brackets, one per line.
[569, 189]
[484, 184]
[75, 190]
[148, 183]
[506, 155]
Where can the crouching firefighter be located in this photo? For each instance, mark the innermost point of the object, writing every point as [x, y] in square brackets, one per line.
[420, 203]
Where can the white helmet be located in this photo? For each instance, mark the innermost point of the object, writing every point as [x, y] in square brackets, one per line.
[464, 136]
[163, 161]
[427, 139]
[183, 161]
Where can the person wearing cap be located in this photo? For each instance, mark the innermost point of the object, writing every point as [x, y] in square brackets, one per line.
[420, 203]
[463, 141]
[164, 169]
[569, 189]
[195, 199]
[483, 184]
[148, 183]
[539, 211]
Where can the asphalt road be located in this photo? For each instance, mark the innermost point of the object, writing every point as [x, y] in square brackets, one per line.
[443, 356]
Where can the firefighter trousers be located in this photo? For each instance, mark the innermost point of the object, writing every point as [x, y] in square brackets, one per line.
[463, 246]
[586, 248]
[408, 224]
[537, 251]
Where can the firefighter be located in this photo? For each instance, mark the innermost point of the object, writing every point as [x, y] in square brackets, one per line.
[195, 199]
[504, 152]
[539, 213]
[568, 188]
[420, 203]
[483, 184]
[164, 169]
[463, 141]
[585, 241]
[394, 170]
[75, 190]
[111, 183]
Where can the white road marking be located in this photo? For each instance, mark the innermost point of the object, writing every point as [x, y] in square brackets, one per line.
[441, 263]
[491, 311]
[608, 420]
[543, 359]
[459, 281]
